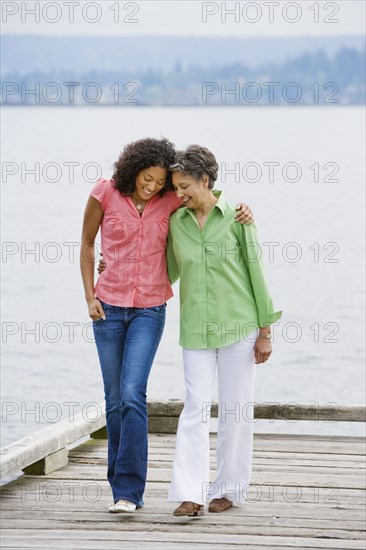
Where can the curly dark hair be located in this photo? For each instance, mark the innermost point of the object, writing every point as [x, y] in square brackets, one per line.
[196, 161]
[137, 156]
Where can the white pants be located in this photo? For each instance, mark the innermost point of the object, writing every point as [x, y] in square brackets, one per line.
[191, 468]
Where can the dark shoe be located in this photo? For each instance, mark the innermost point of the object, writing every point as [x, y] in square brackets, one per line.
[219, 505]
[188, 508]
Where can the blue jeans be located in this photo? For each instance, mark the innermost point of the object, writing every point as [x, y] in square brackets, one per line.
[127, 342]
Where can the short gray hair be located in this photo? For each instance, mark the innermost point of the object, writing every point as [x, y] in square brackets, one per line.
[196, 161]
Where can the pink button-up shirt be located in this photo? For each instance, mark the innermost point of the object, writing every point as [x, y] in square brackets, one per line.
[134, 248]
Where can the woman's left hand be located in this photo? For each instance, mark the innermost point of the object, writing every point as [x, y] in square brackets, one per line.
[101, 265]
[262, 350]
[244, 215]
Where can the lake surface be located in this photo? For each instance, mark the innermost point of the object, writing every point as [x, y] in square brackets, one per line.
[308, 209]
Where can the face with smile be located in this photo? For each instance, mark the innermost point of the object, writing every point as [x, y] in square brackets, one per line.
[192, 191]
[149, 182]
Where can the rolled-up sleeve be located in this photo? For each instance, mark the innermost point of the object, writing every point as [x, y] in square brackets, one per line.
[252, 256]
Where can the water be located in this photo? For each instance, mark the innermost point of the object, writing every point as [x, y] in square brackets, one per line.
[318, 349]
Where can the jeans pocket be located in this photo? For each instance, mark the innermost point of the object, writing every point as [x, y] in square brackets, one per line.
[107, 308]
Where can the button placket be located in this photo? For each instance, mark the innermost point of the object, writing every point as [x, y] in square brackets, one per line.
[203, 285]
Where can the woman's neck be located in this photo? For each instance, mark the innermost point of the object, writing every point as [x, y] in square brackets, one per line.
[207, 204]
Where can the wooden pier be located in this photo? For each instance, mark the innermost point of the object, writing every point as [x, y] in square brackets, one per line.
[306, 491]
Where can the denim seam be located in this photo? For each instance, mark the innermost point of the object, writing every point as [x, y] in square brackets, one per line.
[128, 500]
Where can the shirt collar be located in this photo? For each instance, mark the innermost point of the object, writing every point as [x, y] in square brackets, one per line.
[221, 205]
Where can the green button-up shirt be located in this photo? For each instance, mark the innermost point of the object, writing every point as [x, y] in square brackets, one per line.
[223, 291]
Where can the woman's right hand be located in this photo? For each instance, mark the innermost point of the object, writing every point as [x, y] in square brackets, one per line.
[95, 309]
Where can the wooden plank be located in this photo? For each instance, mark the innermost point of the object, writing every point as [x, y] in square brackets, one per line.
[159, 510]
[169, 439]
[34, 489]
[163, 424]
[228, 523]
[187, 537]
[116, 545]
[330, 412]
[347, 449]
[166, 454]
[354, 445]
[265, 503]
[261, 464]
[280, 443]
[349, 507]
[160, 545]
[266, 477]
[259, 459]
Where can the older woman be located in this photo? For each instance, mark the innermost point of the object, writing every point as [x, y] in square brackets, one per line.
[128, 303]
[225, 317]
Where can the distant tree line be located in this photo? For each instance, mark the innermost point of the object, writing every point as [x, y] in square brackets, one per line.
[313, 78]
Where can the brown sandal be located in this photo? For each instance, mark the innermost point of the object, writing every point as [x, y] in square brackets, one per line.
[188, 508]
[219, 505]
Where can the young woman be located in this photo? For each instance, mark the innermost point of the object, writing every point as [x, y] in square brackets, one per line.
[128, 303]
[225, 317]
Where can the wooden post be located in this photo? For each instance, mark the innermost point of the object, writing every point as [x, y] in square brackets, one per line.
[48, 464]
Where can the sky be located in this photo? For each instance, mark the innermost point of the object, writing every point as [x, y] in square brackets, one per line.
[184, 18]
